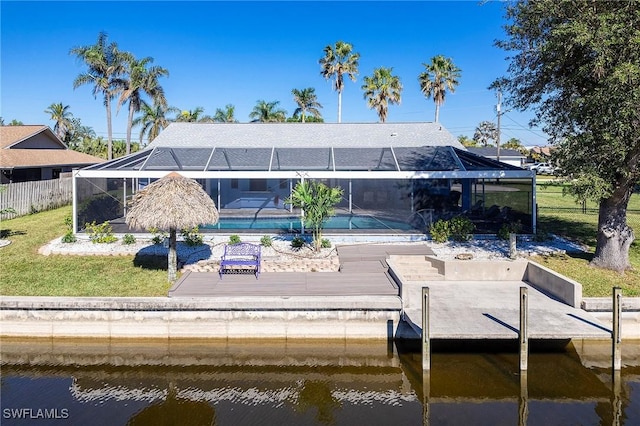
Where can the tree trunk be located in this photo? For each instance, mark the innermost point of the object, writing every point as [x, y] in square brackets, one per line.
[614, 235]
[129, 122]
[437, 112]
[339, 106]
[107, 102]
[173, 256]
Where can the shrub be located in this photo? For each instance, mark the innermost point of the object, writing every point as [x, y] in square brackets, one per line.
[509, 228]
[297, 242]
[157, 236]
[192, 237]
[68, 237]
[325, 243]
[461, 228]
[101, 234]
[128, 239]
[234, 239]
[266, 241]
[440, 231]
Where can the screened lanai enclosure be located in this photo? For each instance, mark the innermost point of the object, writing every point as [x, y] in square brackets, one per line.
[396, 178]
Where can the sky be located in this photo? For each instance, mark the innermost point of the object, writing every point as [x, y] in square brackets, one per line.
[220, 53]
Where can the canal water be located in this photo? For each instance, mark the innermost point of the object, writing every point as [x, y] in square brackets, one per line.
[95, 382]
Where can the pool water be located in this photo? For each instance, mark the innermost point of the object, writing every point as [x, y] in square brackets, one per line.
[293, 223]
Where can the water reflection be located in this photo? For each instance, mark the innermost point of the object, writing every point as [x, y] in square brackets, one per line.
[327, 383]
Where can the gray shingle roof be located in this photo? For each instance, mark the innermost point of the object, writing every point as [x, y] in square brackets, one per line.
[298, 135]
[492, 151]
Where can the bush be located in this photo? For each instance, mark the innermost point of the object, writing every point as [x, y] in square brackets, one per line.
[461, 228]
[69, 237]
[101, 234]
[440, 231]
[509, 228]
[266, 241]
[192, 237]
[297, 242]
[157, 236]
[234, 239]
[128, 239]
[325, 243]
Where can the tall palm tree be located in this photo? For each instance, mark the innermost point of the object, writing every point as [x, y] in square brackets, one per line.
[306, 100]
[337, 62]
[190, 116]
[382, 89]
[62, 117]
[153, 120]
[267, 112]
[105, 66]
[226, 115]
[141, 80]
[439, 76]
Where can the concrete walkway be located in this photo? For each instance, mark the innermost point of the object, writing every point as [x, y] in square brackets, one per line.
[491, 310]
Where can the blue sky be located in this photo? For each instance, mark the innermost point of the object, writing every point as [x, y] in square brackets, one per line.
[240, 52]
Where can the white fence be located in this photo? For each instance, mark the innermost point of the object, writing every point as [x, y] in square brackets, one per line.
[35, 196]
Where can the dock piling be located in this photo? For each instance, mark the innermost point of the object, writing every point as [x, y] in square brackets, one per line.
[523, 341]
[616, 332]
[426, 342]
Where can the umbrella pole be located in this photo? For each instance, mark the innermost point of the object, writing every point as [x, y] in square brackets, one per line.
[173, 256]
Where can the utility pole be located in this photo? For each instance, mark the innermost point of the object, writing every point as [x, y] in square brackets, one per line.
[499, 114]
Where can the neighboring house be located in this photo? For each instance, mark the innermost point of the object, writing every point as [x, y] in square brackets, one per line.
[508, 156]
[539, 154]
[35, 153]
[395, 176]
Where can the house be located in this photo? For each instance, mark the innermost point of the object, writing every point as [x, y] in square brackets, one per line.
[509, 156]
[35, 153]
[396, 177]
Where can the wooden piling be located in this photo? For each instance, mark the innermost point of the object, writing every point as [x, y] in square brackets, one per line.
[426, 341]
[522, 338]
[616, 332]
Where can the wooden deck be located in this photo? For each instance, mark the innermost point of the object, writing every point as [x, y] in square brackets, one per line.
[363, 272]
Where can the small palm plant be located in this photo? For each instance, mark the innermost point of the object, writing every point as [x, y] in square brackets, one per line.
[317, 202]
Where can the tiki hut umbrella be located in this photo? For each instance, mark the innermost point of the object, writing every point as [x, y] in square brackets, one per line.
[171, 203]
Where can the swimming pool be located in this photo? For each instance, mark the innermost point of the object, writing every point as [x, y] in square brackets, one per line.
[292, 223]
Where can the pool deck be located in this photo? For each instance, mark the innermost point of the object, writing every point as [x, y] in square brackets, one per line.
[363, 272]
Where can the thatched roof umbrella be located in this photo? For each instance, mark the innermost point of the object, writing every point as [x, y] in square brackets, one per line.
[171, 203]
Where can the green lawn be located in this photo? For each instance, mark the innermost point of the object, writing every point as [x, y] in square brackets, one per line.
[560, 215]
[24, 272]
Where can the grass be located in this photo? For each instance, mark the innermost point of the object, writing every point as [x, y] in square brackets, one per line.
[24, 272]
[560, 215]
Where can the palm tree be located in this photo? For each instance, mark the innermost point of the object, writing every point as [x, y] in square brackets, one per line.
[153, 120]
[190, 116]
[439, 76]
[141, 80]
[226, 115]
[62, 117]
[105, 65]
[485, 132]
[382, 89]
[306, 100]
[267, 112]
[337, 62]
